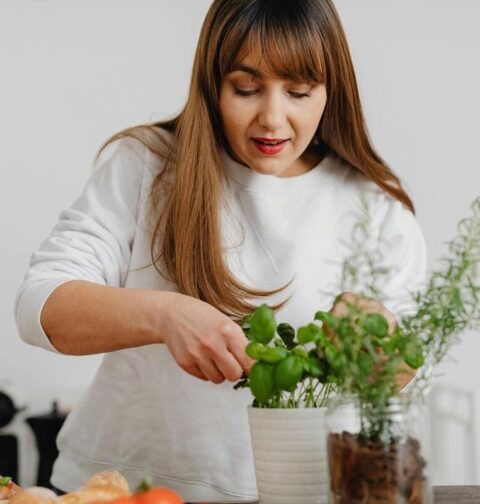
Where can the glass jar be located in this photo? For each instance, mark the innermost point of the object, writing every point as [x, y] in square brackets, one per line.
[378, 456]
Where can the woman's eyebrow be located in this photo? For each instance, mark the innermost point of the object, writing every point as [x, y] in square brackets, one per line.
[240, 67]
[258, 74]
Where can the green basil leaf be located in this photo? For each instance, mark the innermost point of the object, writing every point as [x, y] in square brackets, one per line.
[365, 363]
[413, 355]
[287, 333]
[262, 324]
[274, 354]
[288, 373]
[255, 350]
[309, 333]
[331, 353]
[390, 346]
[314, 366]
[375, 324]
[265, 353]
[301, 352]
[326, 318]
[262, 382]
[344, 329]
[402, 343]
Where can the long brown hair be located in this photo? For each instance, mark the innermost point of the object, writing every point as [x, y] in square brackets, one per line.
[308, 38]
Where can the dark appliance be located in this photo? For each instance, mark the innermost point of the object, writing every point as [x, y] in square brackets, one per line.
[8, 442]
[46, 427]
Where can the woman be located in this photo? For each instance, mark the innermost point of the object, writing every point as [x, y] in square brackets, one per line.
[193, 222]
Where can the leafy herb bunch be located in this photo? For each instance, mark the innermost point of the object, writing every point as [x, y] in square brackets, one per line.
[353, 354]
[287, 374]
[446, 305]
[356, 354]
[450, 301]
[304, 368]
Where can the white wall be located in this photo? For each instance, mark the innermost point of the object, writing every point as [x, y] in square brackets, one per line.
[417, 67]
[73, 73]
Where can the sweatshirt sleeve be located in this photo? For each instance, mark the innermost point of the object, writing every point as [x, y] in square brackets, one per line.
[403, 250]
[91, 241]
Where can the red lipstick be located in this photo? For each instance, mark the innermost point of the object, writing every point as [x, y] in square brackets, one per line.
[269, 145]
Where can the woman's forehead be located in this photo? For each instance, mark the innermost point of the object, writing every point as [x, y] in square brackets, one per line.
[254, 64]
[274, 59]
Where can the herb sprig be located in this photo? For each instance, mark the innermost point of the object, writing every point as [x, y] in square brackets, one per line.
[287, 373]
[5, 480]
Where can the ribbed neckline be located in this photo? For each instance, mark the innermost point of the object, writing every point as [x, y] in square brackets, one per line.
[250, 180]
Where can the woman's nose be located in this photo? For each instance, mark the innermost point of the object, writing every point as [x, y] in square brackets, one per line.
[272, 115]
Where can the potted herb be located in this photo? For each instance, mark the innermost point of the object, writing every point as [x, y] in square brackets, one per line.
[297, 372]
[373, 446]
[379, 456]
[356, 359]
[287, 417]
[292, 383]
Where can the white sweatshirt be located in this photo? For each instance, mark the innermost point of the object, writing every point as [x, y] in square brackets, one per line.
[143, 413]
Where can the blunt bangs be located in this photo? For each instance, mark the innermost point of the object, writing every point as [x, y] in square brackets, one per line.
[281, 36]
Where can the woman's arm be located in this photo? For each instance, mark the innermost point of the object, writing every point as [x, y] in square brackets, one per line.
[92, 243]
[73, 299]
[82, 318]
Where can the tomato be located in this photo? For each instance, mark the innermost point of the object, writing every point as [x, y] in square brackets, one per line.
[158, 495]
[129, 499]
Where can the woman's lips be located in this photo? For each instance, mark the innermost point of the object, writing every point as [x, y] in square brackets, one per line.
[263, 139]
[269, 149]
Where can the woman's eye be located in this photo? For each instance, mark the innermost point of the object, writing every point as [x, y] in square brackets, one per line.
[299, 95]
[250, 93]
[244, 93]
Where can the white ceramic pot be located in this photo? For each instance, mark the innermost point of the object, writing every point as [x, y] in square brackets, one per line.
[290, 454]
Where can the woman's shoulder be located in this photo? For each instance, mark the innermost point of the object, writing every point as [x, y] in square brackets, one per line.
[140, 142]
[141, 153]
[362, 190]
[356, 186]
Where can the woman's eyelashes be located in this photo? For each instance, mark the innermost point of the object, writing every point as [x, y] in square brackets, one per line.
[250, 93]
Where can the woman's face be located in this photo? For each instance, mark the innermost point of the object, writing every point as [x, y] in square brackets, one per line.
[272, 109]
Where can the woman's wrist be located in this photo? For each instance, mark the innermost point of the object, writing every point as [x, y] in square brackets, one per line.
[161, 308]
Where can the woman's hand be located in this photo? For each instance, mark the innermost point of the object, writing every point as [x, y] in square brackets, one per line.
[366, 305]
[204, 341]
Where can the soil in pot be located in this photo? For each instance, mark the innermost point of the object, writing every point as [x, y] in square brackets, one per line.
[365, 471]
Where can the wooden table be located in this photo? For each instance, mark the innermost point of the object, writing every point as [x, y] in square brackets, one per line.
[457, 494]
[443, 495]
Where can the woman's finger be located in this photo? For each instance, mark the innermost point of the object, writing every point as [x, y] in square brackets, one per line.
[195, 371]
[228, 365]
[236, 344]
[210, 370]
